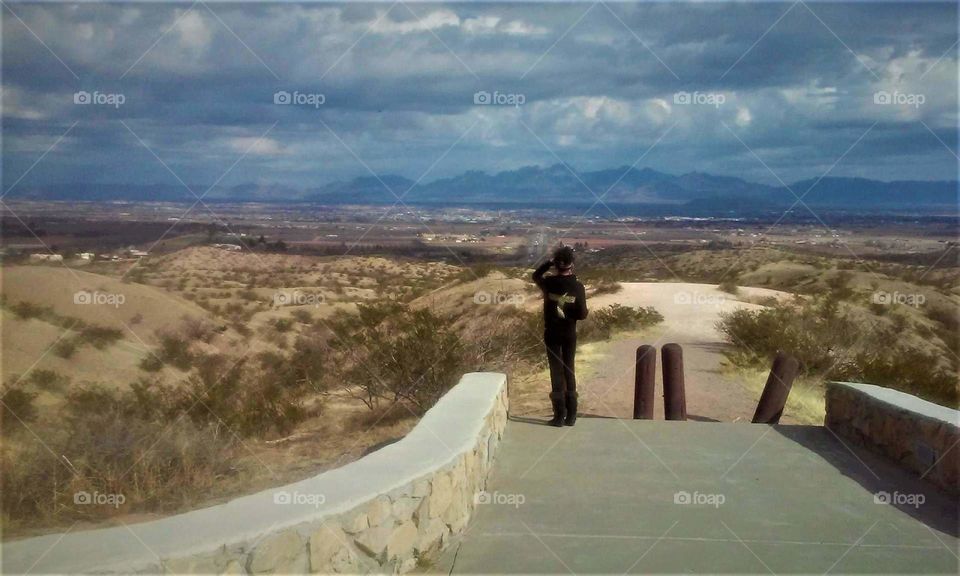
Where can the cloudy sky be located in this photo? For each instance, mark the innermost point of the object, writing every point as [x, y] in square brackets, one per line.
[304, 94]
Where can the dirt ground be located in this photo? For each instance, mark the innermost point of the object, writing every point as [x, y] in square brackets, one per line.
[605, 370]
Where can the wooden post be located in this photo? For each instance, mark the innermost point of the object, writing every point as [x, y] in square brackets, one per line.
[644, 382]
[674, 395]
[777, 389]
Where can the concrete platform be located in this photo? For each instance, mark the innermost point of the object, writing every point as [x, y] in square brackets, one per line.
[611, 496]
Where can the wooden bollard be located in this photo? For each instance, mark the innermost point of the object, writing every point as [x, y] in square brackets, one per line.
[777, 389]
[674, 396]
[644, 382]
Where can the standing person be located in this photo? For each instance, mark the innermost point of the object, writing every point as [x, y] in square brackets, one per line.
[564, 303]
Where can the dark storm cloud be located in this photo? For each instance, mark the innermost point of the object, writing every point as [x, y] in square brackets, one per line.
[798, 83]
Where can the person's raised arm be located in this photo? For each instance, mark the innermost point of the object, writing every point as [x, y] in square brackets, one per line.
[540, 271]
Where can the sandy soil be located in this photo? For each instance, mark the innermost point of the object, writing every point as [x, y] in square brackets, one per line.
[690, 311]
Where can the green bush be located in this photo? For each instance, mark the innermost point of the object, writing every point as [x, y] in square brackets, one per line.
[834, 345]
[18, 409]
[601, 324]
[395, 354]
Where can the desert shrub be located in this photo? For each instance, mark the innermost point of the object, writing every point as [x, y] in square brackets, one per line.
[728, 285]
[504, 338]
[18, 407]
[27, 310]
[65, 347]
[302, 316]
[606, 286]
[396, 354]
[175, 350]
[601, 324]
[195, 328]
[49, 380]
[811, 333]
[98, 336]
[839, 285]
[151, 363]
[834, 345]
[107, 449]
[282, 325]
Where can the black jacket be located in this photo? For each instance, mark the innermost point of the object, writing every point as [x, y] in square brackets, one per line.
[564, 300]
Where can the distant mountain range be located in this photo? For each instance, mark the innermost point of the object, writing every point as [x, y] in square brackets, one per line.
[553, 186]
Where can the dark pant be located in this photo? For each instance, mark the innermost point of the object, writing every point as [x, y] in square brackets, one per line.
[561, 353]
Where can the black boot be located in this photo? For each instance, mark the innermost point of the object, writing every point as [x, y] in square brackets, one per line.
[558, 413]
[571, 417]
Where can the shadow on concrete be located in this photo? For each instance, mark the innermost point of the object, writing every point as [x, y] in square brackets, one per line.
[877, 474]
[544, 421]
[696, 418]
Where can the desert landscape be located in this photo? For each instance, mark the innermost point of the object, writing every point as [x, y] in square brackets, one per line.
[365, 287]
[218, 364]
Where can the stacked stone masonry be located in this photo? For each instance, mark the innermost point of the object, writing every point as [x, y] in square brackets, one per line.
[917, 435]
[390, 533]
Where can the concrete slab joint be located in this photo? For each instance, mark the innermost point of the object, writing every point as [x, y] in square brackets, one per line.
[386, 512]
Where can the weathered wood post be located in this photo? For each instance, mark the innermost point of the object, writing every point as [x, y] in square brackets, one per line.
[775, 392]
[674, 396]
[644, 382]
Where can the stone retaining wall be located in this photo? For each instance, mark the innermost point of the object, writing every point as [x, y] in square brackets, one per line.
[383, 513]
[920, 436]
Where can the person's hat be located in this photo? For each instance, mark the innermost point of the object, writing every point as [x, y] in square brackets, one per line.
[563, 258]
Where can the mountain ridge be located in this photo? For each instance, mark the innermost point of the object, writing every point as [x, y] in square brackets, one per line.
[555, 185]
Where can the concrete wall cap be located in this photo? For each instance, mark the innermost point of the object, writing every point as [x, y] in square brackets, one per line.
[903, 401]
[449, 429]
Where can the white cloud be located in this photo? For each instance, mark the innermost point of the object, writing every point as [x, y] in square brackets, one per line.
[432, 21]
[256, 146]
[194, 31]
[744, 118]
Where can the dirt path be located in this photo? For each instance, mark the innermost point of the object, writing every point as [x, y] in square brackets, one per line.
[690, 311]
